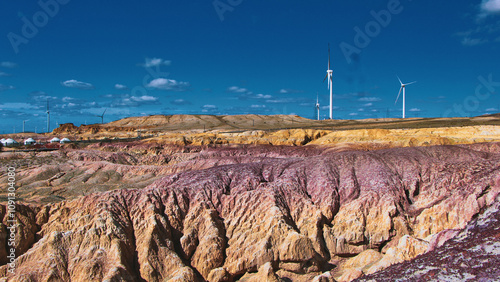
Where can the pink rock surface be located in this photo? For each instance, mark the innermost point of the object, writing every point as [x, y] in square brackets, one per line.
[232, 212]
[472, 255]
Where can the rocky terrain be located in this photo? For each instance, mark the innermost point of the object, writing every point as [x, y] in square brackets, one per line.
[472, 255]
[289, 130]
[153, 211]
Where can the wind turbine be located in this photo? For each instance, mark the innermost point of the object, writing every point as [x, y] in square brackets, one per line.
[403, 86]
[102, 116]
[317, 104]
[48, 117]
[329, 75]
[24, 123]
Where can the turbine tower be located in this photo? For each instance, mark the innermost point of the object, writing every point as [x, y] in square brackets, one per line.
[24, 123]
[403, 87]
[317, 105]
[329, 75]
[102, 116]
[48, 117]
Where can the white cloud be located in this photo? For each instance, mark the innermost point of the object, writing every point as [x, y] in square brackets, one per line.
[491, 110]
[8, 64]
[68, 105]
[155, 62]
[67, 99]
[236, 89]
[126, 100]
[77, 84]
[328, 107]
[287, 100]
[369, 99]
[262, 96]
[257, 106]
[144, 98]
[180, 102]
[245, 94]
[483, 32]
[40, 96]
[490, 7]
[368, 105]
[415, 110]
[209, 108]
[6, 87]
[121, 87]
[288, 91]
[168, 84]
[468, 41]
[17, 106]
[353, 114]
[3, 74]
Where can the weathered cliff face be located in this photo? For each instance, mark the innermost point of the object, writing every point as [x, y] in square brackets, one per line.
[261, 213]
[472, 255]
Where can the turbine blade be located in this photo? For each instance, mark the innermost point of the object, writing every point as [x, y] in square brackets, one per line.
[399, 80]
[410, 83]
[328, 55]
[398, 95]
[325, 77]
[104, 111]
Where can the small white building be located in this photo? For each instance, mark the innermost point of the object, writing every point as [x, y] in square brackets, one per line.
[3, 141]
[55, 140]
[11, 142]
[65, 140]
[29, 141]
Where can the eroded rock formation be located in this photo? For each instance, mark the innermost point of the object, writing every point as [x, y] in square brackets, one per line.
[472, 255]
[253, 213]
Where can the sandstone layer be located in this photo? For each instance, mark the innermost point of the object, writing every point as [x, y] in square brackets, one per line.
[289, 130]
[249, 213]
[472, 255]
[364, 139]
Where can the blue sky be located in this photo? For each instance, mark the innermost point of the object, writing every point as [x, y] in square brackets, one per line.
[239, 56]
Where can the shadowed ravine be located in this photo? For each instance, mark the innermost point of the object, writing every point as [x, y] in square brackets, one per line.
[259, 213]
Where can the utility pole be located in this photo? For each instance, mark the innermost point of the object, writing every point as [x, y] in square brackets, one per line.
[48, 117]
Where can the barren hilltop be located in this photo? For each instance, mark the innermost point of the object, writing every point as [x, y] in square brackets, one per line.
[258, 198]
[292, 130]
